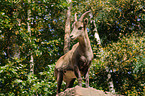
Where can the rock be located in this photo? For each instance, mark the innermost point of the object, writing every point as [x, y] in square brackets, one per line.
[80, 91]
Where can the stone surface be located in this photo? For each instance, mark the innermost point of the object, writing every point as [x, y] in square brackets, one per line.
[80, 91]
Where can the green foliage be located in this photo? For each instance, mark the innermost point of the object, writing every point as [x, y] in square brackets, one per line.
[13, 70]
[125, 61]
[98, 75]
[15, 81]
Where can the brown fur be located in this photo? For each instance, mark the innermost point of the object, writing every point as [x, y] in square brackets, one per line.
[76, 62]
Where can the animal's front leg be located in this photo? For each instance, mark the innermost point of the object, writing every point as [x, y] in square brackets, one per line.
[86, 75]
[78, 75]
[87, 78]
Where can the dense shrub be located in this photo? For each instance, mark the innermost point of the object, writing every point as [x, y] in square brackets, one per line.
[15, 81]
[125, 60]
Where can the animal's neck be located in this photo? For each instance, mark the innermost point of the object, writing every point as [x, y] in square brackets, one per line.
[84, 42]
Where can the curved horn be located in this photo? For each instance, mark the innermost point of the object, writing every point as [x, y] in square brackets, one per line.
[81, 19]
[75, 17]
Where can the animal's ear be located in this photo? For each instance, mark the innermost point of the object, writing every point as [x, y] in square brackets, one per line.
[86, 21]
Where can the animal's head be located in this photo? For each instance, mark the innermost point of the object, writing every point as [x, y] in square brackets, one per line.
[79, 27]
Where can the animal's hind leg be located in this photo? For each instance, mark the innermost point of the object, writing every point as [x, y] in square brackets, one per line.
[70, 83]
[59, 80]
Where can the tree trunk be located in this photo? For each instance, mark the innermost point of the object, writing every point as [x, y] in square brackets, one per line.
[96, 35]
[16, 49]
[67, 29]
[29, 31]
[13, 50]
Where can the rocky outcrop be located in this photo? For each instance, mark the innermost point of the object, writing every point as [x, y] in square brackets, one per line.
[80, 91]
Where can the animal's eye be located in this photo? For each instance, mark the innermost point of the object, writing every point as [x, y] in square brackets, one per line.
[80, 28]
